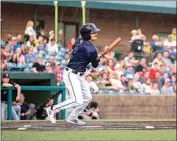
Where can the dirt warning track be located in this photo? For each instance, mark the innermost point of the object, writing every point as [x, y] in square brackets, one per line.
[100, 125]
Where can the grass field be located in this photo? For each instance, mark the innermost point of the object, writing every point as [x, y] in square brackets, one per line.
[98, 135]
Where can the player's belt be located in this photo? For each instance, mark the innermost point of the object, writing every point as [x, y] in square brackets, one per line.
[74, 71]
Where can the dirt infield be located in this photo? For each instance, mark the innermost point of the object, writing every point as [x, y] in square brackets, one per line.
[90, 125]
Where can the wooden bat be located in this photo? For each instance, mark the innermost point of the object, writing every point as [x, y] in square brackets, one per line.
[110, 47]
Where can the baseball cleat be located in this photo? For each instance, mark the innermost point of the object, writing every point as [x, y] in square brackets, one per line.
[75, 121]
[51, 115]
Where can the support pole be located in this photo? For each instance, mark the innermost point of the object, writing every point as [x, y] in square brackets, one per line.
[83, 4]
[56, 21]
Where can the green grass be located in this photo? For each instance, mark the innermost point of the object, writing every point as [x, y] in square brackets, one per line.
[99, 135]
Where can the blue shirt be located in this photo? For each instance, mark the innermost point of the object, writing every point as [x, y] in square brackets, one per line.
[83, 53]
[30, 58]
[16, 46]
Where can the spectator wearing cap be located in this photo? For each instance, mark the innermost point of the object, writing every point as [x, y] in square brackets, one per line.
[52, 47]
[38, 66]
[156, 45]
[48, 68]
[70, 44]
[58, 72]
[6, 82]
[167, 89]
[30, 58]
[29, 30]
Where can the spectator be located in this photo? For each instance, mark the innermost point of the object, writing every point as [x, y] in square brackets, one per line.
[29, 30]
[166, 59]
[91, 111]
[135, 35]
[51, 35]
[67, 57]
[104, 82]
[102, 65]
[7, 52]
[130, 87]
[19, 39]
[110, 66]
[6, 82]
[52, 61]
[147, 86]
[70, 45]
[158, 59]
[168, 43]
[154, 89]
[39, 66]
[137, 84]
[93, 86]
[30, 58]
[24, 49]
[173, 34]
[141, 35]
[156, 45]
[25, 110]
[58, 72]
[48, 68]
[130, 58]
[141, 66]
[14, 44]
[173, 80]
[167, 89]
[30, 42]
[158, 80]
[52, 47]
[20, 56]
[14, 59]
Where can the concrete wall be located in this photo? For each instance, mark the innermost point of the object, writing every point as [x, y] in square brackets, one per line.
[113, 23]
[136, 106]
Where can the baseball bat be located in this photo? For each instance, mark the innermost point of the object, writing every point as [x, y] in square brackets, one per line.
[110, 47]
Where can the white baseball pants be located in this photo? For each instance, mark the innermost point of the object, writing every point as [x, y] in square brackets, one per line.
[79, 93]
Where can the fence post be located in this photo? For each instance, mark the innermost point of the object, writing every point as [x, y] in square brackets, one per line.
[9, 104]
[63, 98]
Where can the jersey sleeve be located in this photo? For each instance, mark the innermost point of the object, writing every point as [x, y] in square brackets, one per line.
[93, 56]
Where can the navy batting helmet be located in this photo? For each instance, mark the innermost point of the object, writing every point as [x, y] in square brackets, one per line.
[87, 29]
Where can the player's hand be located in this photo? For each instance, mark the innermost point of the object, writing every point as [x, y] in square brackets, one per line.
[98, 59]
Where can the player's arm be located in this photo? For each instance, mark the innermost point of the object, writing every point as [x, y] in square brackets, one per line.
[94, 58]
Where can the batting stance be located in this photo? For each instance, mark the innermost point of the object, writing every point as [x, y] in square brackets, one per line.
[83, 53]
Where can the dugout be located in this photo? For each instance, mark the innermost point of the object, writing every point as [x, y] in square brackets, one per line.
[34, 79]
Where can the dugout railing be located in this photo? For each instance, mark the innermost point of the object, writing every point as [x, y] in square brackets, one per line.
[34, 88]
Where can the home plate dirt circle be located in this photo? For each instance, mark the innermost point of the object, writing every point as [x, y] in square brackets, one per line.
[91, 125]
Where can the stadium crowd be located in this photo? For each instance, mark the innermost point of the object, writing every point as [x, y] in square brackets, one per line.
[39, 53]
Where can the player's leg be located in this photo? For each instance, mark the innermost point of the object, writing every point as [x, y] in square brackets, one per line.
[73, 86]
[87, 98]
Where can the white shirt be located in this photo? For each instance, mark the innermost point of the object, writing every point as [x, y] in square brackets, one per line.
[52, 48]
[30, 31]
[93, 86]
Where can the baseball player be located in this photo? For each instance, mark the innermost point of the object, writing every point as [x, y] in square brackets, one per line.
[83, 53]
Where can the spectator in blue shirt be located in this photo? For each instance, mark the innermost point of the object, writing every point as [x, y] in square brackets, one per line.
[156, 44]
[30, 57]
[14, 44]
